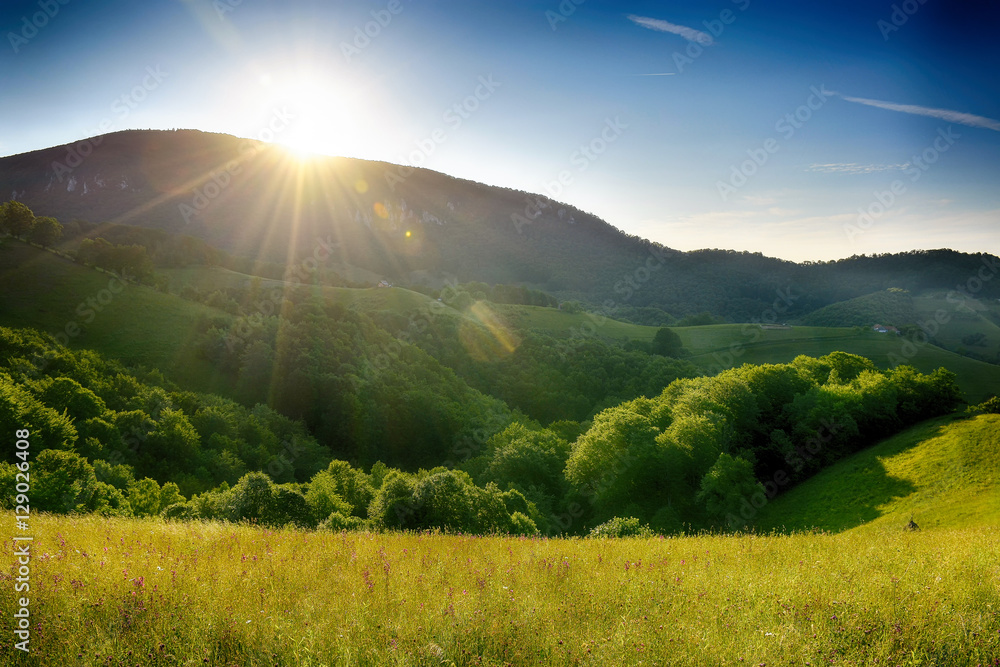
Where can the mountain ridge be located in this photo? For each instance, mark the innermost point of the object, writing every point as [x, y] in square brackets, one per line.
[423, 227]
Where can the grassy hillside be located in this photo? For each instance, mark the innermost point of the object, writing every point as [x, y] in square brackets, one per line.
[720, 346]
[128, 591]
[944, 473]
[92, 309]
[893, 307]
[960, 324]
[561, 324]
[364, 299]
[965, 321]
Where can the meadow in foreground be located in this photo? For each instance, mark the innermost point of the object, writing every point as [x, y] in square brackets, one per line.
[145, 592]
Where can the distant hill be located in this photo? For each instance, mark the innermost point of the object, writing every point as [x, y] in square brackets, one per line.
[892, 307]
[942, 473]
[422, 227]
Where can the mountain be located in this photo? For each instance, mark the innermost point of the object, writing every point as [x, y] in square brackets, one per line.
[418, 226]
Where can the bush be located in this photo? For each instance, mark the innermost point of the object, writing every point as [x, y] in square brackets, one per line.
[990, 406]
[338, 521]
[622, 527]
[520, 524]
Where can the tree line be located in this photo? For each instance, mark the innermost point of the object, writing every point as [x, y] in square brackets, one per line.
[109, 441]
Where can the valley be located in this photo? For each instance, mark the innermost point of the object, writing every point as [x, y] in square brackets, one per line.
[535, 441]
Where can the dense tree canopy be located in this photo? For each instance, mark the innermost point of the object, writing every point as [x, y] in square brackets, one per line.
[699, 453]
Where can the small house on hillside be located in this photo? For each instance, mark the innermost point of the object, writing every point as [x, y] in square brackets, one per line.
[885, 329]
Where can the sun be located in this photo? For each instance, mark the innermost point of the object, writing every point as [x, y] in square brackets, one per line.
[320, 114]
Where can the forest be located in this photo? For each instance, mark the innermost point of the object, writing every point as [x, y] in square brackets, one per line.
[688, 458]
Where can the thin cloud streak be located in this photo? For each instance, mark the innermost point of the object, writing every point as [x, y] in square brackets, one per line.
[853, 168]
[690, 34]
[944, 114]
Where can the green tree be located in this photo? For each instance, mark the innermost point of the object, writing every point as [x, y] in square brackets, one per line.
[172, 446]
[518, 455]
[144, 497]
[393, 505]
[728, 488]
[170, 494]
[119, 476]
[352, 485]
[65, 393]
[323, 499]
[16, 219]
[667, 343]
[19, 409]
[61, 481]
[443, 500]
[46, 231]
[618, 462]
[106, 500]
[253, 498]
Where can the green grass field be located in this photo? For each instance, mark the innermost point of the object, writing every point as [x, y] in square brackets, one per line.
[92, 309]
[943, 473]
[151, 593]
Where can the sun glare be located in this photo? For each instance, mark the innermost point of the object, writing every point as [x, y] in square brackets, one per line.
[321, 118]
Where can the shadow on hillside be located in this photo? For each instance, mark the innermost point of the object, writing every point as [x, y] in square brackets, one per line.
[849, 493]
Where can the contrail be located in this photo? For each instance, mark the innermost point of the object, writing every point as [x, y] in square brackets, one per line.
[944, 114]
[690, 34]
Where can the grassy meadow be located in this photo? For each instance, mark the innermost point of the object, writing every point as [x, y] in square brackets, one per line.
[126, 592]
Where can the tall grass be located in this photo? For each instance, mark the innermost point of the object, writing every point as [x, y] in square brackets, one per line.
[129, 592]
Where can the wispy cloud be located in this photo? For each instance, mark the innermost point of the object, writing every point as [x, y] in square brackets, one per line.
[690, 34]
[944, 114]
[854, 168]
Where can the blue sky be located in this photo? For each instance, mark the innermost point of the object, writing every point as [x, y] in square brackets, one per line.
[751, 125]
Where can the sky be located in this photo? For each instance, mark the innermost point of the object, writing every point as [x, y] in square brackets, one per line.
[806, 131]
